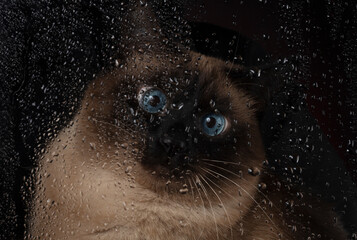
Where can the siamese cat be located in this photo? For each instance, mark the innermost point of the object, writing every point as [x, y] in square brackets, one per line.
[167, 146]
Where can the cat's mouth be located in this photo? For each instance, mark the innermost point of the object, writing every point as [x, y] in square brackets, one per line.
[169, 164]
[170, 170]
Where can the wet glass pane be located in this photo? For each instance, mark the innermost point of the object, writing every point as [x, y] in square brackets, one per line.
[178, 119]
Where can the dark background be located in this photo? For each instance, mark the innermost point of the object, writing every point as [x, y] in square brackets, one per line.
[324, 34]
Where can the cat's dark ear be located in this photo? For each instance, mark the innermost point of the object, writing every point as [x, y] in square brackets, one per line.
[261, 82]
[142, 29]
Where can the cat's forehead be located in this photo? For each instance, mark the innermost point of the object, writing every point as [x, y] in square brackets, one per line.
[175, 72]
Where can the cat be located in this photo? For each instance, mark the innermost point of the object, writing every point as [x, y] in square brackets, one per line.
[167, 146]
[164, 148]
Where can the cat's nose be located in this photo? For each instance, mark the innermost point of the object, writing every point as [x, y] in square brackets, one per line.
[173, 145]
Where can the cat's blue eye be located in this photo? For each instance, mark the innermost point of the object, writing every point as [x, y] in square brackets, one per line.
[213, 124]
[152, 100]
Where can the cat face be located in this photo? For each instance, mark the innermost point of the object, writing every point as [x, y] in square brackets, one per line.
[188, 119]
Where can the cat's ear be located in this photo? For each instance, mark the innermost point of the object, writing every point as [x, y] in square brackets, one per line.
[142, 30]
[261, 82]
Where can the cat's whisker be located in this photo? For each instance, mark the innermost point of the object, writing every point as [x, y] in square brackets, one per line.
[122, 128]
[209, 202]
[193, 200]
[191, 186]
[255, 187]
[212, 173]
[224, 208]
[203, 204]
[191, 227]
[248, 194]
[224, 162]
[220, 188]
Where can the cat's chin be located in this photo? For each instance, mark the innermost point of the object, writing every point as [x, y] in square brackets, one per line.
[163, 219]
[175, 182]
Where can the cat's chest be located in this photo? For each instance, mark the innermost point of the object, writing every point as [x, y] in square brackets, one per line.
[88, 190]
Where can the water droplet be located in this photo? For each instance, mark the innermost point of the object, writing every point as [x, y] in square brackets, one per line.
[124, 145]
[128, 169]
[183, 190]
[92, 145]
[254, 172]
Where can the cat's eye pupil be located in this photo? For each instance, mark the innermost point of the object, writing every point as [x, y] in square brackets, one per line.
[154, 100]
[210, 122]
[213, 124]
